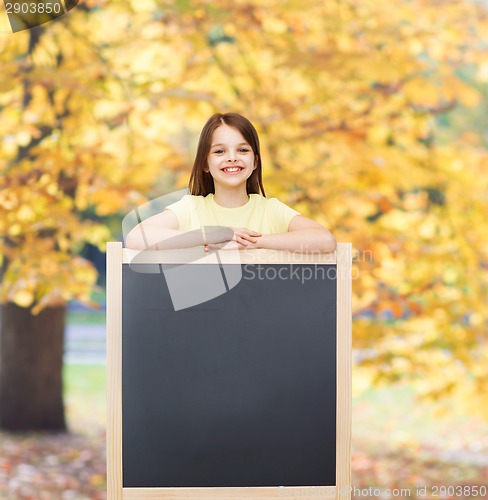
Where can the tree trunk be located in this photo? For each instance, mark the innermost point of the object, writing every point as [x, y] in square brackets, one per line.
[31, 360]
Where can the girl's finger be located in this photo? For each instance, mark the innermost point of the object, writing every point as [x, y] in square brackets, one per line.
[248, 237]
[247, 232]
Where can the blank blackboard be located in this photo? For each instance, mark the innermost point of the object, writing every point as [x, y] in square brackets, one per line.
[241, 391]
[237, 391]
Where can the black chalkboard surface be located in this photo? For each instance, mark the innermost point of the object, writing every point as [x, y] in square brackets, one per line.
[237, 391]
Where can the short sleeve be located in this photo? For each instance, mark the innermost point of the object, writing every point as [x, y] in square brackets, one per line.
[281, 215]
[180, 209]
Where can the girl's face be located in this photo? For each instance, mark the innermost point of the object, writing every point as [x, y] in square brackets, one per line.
[231, 159]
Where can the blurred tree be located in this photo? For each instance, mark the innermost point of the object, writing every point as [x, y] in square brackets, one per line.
[70, 158]
[345, 96]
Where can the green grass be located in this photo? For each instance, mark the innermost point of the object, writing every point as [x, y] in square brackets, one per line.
[84, 396]
[84, 380]
[92, 316]
[86, 318]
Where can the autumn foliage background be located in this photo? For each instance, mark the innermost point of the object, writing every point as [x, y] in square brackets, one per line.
[373, 121]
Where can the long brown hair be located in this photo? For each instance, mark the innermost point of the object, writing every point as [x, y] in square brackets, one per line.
[202, 183]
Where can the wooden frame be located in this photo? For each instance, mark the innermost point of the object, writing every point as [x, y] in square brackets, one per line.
[116, 256]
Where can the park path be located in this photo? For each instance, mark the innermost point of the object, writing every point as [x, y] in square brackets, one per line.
[84, 344]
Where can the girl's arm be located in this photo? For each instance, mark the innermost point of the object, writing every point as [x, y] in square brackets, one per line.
[304, 235]
[159, 232]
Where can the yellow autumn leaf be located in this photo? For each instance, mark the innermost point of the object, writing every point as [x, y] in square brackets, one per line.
[53, 298]
[83, 271]
[378, 134]
[23, 298]
[107, 201]
[25, 213]
[459, 90]
[397, 220]
[421, 91]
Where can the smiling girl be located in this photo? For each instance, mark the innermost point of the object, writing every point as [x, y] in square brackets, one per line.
[227, 190]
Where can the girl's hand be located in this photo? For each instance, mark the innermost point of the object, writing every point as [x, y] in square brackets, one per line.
[245, 236]
[242, 238]
[230, 245]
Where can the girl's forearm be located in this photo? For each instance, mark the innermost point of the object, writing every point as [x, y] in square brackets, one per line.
[152, 237]
[149, 237]
[303, 240]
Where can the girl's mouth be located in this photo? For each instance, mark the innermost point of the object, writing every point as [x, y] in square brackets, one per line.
[232, 170]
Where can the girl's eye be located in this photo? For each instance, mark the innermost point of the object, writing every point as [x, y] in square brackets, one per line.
[220, 151]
